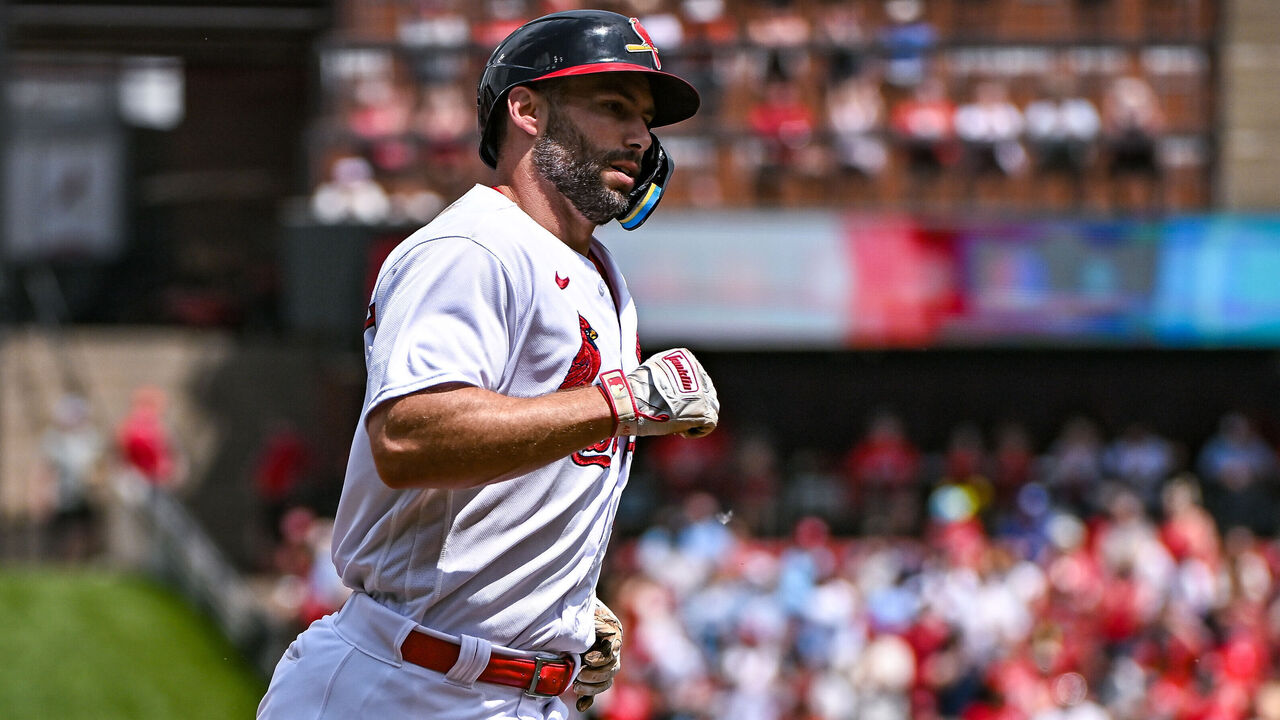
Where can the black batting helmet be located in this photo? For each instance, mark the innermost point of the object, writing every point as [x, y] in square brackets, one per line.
[576, 42]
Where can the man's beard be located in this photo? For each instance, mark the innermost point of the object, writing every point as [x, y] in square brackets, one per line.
[565, 157]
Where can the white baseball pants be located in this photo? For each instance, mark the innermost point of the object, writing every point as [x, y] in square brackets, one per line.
[347, 666]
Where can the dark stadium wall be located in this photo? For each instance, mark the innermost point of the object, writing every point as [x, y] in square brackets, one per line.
[823, 400]
[202, 197]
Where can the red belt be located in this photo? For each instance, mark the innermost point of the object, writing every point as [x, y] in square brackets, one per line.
[539, 677]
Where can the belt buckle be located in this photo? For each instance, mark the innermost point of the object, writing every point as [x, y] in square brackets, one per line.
[538, 663]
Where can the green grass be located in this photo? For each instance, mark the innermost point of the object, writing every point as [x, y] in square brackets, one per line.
[99, 646]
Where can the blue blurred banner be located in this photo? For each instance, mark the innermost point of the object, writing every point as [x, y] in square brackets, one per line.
[1218, 282]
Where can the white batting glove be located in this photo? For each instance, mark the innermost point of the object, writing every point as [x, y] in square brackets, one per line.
[602, 660]
[669, 393]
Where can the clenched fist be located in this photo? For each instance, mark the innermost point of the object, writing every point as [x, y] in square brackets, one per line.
[669, 393]
[602, 660]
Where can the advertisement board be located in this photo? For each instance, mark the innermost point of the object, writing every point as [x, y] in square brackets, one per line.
[824, 280]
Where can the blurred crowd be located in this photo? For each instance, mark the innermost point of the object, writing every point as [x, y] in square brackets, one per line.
[1097, 105]
[77, 463]
[1098, 578]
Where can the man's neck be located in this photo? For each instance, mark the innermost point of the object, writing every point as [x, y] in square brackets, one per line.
[553, 211]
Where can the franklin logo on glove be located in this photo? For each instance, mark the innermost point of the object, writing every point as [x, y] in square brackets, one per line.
[679, 366]
[668, 393]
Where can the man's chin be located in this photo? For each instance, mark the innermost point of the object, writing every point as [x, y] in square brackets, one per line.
[612, 200]
[605, 210]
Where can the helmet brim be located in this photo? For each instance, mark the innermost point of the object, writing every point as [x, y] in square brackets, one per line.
[673, 98]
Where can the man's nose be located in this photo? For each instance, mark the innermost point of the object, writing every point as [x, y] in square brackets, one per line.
[639, 137]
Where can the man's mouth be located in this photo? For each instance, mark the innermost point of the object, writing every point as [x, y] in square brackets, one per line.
[627, 168]
[622, 175]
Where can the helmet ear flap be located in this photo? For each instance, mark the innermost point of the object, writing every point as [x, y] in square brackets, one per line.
[655, 170]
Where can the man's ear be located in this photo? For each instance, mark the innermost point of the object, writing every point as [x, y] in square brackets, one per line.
[524, 109]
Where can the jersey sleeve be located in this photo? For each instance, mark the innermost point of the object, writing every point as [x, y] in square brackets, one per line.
[443, 312]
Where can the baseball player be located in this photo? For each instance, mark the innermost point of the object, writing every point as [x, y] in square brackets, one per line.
[505, 390]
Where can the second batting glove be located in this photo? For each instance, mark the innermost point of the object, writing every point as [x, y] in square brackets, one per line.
[601, 662]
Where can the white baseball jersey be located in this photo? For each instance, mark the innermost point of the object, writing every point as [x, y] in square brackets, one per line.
[484, 295]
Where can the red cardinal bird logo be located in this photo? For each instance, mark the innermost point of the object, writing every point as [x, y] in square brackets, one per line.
[585, 365]
[645, 44]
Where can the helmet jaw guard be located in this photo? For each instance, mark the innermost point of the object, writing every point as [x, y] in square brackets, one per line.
[584, 42]
[655, 168]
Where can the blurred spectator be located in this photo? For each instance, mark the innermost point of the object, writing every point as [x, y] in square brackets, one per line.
[325, 591]
[444, 116]
[882, 470]
[784, 126]
[1188, 530]
[923, 125]
[307, 587]
[1191, 536]
[1026, 526]
[144, 441]
[703, 534]
[1075, 465]
[1132, 125]
[883, 676]
[1013, 462]
[842, 32]
[965, 462]
[281, 465]
[1063, 128]
[856, 116]
[708, 22]
[1239, 471]
[964, 472]
[350, 194]
[990, 128]
[379, 116]
[754, 482]
[1070, 692]
[908, 42]
[775, 24]
[380, 108]
[1138, 567]
[72, 451]
[813, 489]
[445, 123]
[1142, 461]
[433, 24]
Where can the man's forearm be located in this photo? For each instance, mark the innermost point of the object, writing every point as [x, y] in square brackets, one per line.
[467, 436]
